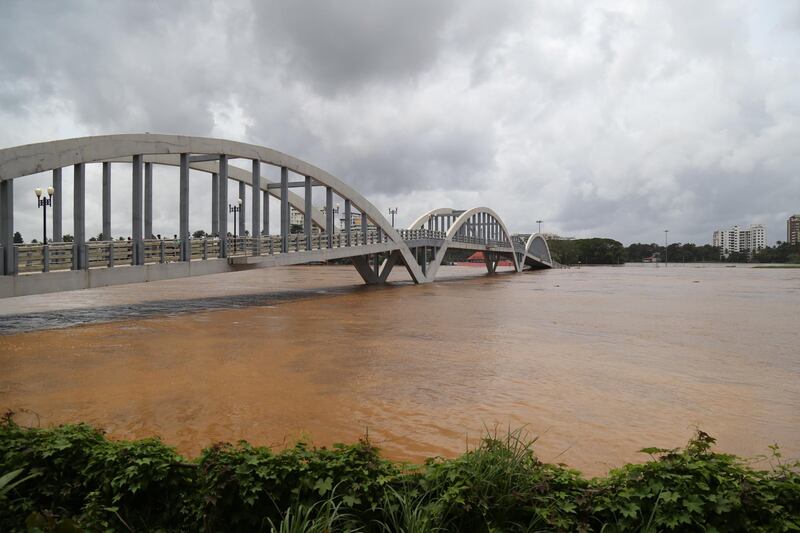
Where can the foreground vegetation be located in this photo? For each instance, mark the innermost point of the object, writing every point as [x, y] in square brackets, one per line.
[72, 478]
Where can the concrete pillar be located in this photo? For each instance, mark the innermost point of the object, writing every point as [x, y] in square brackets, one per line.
[329, 215]
[58, 192]
[107, 201]
[148, 200]
[265, 206]
[307, 215]
[364, 226]
[186, 251]
[214, 204]
[222, 205]
[8, 265]
[79, 216]
[348, 222]
[136, 211]
[255, 226]
[242, 208]
[284, 209]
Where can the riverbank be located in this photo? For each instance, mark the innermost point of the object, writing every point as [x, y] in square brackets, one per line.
[73, 478]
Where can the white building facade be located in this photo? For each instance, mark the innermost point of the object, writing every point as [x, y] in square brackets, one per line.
[748, 240]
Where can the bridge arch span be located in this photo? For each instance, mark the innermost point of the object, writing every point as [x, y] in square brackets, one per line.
[537, 246]
[183, 151]
[463, 228]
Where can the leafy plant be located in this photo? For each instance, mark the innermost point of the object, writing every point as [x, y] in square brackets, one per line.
[84, 481]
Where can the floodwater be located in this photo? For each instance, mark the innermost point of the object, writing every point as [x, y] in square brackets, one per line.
[597, 362]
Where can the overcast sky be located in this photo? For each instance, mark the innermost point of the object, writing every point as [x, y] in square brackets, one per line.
[616, 118]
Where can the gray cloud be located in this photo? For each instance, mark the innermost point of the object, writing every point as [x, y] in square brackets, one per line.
[617, 120]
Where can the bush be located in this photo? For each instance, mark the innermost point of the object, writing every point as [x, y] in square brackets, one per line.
[72, 478]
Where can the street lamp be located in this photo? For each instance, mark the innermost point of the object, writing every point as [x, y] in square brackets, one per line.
[235, 210]
[393, 212]
[666, 249]
[540, 225]
[44, 202]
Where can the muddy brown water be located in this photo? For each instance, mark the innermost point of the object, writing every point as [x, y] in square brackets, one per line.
[597, 362]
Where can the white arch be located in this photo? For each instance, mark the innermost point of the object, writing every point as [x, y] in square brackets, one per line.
[529, 247]
[420, 222]
[455, 227]
[41, 157]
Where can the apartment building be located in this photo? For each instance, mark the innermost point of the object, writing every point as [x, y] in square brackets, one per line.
[736, 239]
[793, 229]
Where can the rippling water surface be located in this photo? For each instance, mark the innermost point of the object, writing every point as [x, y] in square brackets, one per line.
[598, 362]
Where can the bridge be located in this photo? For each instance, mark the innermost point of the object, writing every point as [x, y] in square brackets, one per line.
[367, 238]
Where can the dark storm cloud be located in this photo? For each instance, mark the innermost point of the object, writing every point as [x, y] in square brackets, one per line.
[618, 119]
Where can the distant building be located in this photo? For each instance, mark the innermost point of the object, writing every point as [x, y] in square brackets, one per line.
[555, 237]
[355, 222]
[296, 220]
[748, 240]
[793, 229]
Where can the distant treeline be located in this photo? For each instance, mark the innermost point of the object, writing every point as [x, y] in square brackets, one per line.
[600, 251]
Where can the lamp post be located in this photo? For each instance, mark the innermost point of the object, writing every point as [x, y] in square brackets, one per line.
[540, 225]
[666, 249]
[44, 202]
[235, 210]
[393, 212]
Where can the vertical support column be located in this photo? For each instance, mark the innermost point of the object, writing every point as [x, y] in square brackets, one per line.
[284, 210]
[148, 200]
[7, 258]
[348, 222]
[266, 212]
[136, 218]
[364, 226]
[242, 208]
[222, 205]
[79, 217]
[186, 251]
[214, 204]
[58, 192]
[329, 215]
[256, 206]
[307, 214]
[107, 201]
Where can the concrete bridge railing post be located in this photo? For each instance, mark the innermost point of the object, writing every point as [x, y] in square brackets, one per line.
[329, 215]
[215, 204]
[9, 265]
[222, 204]
[256, 206]
[185, 244]
[284, 210]
[79, 217]
[307, 214]
[58, 192]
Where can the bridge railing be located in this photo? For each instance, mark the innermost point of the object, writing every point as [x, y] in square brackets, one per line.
[418, 234]
[36, 257]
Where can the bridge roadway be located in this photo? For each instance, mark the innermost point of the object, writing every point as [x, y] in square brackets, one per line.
[366, 238]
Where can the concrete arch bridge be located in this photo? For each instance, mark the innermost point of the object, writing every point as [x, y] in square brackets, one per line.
[364, 236]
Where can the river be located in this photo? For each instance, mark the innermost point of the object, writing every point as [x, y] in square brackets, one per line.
[595, 362]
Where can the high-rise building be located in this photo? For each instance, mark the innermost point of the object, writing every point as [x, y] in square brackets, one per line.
[793, 229]
[736, 239]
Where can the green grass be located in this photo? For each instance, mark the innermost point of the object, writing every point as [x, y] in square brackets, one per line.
[71, 478]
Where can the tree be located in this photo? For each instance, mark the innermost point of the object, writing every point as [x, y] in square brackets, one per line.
[68, 238]
[18, 238]
[199, 234]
